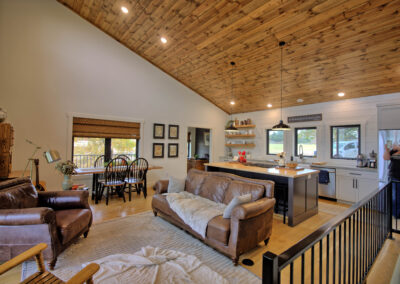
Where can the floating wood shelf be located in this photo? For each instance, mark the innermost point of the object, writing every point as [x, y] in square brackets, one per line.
[241, 145]
[240, 136]
[246, 126]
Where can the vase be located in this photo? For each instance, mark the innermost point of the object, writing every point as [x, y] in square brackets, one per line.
[67, 183]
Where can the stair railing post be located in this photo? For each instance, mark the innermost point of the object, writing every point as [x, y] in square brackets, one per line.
[270, 271]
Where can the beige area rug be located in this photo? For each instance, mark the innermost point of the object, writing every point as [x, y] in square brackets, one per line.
[130, 234]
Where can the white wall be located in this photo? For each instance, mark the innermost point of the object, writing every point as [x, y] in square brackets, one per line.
[349, 111]
[54, 63]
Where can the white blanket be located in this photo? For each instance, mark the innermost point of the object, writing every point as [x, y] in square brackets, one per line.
[194, 210]
[154, 265]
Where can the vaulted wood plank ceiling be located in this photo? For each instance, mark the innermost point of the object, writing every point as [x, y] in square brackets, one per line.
[350, 46]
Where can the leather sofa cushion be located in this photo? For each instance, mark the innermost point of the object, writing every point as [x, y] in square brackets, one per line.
[71, 222]
[237, 188]
[193, 182]
[214, 188]
[19, 196]
[219, 229]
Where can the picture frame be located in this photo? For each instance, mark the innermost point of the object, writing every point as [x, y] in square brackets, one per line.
[173, 150]
[158, 150]
[158, 131]
[173, 131]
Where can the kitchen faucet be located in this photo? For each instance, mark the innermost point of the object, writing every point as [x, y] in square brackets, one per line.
[301, 152]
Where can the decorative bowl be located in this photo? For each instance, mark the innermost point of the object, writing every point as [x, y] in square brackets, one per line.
[291, 165]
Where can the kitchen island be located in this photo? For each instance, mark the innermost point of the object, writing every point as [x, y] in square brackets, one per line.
[298, 188]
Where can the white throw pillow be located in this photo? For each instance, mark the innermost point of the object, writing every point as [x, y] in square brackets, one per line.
[234, 202]
[176, 185]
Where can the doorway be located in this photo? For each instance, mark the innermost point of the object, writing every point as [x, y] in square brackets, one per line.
[198, 147]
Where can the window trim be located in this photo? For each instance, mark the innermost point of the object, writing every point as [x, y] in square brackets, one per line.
[331, 140]
[295, 140]
[267, 134]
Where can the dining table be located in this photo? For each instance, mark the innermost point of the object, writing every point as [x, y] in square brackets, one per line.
[101, 170]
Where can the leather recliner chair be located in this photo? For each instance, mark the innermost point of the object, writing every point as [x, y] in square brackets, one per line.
[28, 217]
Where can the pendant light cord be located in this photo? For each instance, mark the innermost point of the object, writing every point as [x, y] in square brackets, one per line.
[281, 77]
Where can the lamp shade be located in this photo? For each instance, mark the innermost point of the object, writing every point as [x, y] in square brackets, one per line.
[52, 156]
[281, 126]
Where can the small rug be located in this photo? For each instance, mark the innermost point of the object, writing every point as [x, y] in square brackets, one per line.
[130, 234]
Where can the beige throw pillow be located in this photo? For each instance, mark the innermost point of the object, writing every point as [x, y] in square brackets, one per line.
[234, 202]
[176, 185]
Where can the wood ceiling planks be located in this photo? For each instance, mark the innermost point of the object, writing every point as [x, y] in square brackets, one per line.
[332, 45]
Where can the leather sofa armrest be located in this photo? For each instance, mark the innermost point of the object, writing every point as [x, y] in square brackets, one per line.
[161, 186]
[62, 200]
[252, 209]
[27, 216]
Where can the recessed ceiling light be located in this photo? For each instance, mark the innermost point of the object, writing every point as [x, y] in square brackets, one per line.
[124, 10]
[232, 102]
[163, 40]
[341, 94]
[300, 100]
[269, 105]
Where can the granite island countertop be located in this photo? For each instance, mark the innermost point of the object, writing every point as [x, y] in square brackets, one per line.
[283, 172]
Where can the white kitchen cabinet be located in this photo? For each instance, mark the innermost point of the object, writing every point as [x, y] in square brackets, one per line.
[345, 189]
[352, 185]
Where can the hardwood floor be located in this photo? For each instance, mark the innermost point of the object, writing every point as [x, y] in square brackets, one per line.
[282, 237]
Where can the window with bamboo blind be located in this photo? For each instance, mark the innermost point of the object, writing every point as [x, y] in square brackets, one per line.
[93, 138]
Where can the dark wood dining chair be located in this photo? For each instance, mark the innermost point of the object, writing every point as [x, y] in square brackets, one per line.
[137, 176]
[126, 157]
[114, 178]
[97, 178]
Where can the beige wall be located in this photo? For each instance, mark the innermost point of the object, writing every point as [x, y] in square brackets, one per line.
[53, 63]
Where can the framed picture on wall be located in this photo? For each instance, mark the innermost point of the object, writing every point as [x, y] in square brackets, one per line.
[173, 150]
[173, 131]
[158, 131]
[158, 150]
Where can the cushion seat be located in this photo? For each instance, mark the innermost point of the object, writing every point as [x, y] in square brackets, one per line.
[219, 229]
[71, 222]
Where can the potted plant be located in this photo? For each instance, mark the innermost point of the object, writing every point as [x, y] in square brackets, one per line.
[67, 168]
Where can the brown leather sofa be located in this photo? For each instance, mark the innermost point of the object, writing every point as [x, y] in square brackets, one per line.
[250, 223]
[28, 217]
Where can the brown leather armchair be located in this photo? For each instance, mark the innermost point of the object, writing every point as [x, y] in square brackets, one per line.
[28, 217]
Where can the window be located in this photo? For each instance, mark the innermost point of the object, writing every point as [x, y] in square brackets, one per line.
[345, 141]
[95, 137]
[87, 149]
[306, 141]
[274, 141]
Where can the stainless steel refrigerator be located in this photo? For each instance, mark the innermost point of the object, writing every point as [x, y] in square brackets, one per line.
[391, 136]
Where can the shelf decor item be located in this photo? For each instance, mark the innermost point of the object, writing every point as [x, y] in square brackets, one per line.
[173, 150]
[158, 150]
[281, 125]
[67, 168]
[158, 131]
[173, 131]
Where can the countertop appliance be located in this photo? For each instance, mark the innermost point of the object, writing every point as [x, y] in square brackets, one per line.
[360, 160]
[327, 190]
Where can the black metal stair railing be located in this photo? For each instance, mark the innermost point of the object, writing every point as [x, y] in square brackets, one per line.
[341, 251]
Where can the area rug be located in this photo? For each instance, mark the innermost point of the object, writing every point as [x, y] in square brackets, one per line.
[130, 234]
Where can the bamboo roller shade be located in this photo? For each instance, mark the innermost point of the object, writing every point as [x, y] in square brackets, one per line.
[100, 128]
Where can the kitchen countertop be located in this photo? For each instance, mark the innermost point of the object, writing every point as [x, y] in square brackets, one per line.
[269, 171]
[327, 165]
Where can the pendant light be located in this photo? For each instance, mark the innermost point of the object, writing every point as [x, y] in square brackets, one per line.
[230, 127]
[281, 125]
